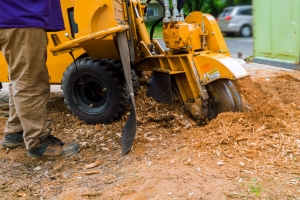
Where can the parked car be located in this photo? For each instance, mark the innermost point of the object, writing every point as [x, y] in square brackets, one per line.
[236, 20]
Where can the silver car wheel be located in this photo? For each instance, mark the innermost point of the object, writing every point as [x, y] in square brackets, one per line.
[245, 31]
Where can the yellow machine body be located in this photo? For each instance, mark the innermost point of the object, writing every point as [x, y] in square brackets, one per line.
[196, 56]
[203, 62]
[96, 16]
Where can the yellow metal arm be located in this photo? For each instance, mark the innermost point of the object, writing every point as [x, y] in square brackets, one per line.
[75, 44]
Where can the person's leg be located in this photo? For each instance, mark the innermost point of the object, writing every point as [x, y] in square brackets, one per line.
[13, 124]
[26, 52]
[13, 132]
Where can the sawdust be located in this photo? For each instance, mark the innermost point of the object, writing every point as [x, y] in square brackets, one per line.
[252, 155]
[265, 127]
[260, 104]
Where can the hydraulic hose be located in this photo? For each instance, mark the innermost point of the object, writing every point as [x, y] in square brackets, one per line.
[153, 27]
[146, 7]
[180, 6]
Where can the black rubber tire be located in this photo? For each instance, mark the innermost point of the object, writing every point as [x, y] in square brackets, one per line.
[224, 97]
[119, 72]
[135, 81]
[245, 31]
[103, 97]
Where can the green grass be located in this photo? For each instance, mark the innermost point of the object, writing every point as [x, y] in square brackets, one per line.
[157, 31]
[255, 187]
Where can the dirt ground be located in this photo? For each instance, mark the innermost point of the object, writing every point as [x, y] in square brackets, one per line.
[251, 155]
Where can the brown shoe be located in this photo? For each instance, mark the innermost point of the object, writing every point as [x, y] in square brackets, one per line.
[13, 140]
[53, 147]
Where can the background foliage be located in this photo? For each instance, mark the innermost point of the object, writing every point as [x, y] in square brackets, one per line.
[214, 7]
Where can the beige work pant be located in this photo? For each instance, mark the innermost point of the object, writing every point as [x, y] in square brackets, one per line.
[25, 51]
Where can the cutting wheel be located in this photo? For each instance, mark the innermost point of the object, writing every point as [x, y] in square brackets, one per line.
[224, 97]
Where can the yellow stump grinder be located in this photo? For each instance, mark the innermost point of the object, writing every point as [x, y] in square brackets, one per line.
[192, 60]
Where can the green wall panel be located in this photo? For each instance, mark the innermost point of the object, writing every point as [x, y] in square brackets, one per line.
[277, 30]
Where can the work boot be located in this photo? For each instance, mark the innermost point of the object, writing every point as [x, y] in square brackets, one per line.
[13, 140]
[52, 148]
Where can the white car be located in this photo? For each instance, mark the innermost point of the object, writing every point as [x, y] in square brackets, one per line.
[236, 20]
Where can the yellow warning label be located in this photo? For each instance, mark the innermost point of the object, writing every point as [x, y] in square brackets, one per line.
[213, 74]
[213, 71]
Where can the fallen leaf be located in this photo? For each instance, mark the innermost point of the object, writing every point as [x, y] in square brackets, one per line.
[220, 163]
[57, 167]
[92, 172]
[97, 127]
[261, 128]
[94, 164]
[21, 194]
